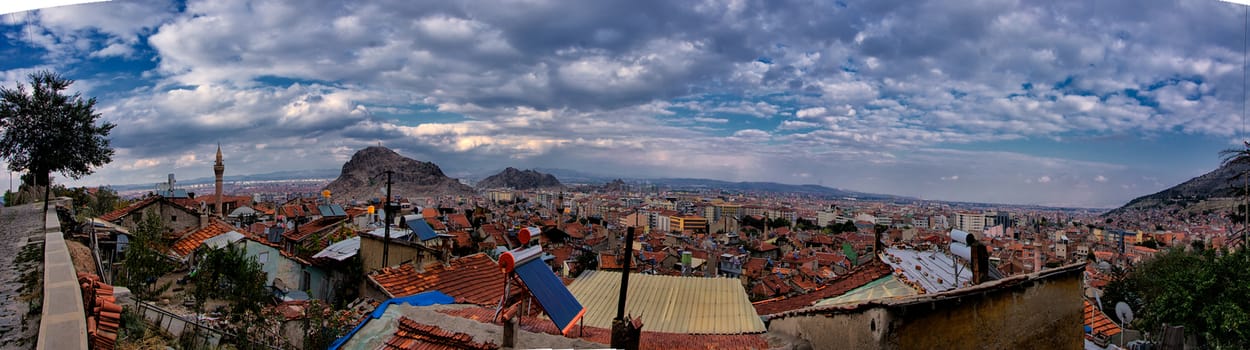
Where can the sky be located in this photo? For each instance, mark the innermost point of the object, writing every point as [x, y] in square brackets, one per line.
[1063, 103]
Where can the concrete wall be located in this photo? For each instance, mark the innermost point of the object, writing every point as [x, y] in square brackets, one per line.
[371, 253]
[175, 220]
[275, 265]
[64, 322]
[1035, 313]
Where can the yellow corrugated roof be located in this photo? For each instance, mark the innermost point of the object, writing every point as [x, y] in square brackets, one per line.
[669, 304]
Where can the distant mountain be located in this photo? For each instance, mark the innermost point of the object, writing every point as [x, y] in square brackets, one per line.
[575, 177]
[411, 178]
[1219, 183]
[519, 179]
[274, 176]
[817, 190]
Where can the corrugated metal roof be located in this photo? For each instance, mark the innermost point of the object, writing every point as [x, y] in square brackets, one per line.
[340, 251]
[223, 239]
[396, 233]
[885, 287]
[669, 304]
[933, 270]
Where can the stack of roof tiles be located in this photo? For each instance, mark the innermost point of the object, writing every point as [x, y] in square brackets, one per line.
[412, 335]
[103, 314]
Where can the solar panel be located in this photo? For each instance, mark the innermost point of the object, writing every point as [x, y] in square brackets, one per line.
[554, 298]
[423, 229]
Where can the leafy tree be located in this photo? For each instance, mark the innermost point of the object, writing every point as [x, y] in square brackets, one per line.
[143, 262]
[1202, 290]
[229, 274]
[779, 222]
[323, 325]
[46, 131]
[805, 224]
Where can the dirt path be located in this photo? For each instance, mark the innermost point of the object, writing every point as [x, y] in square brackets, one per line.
[21, 271]
[81, 255]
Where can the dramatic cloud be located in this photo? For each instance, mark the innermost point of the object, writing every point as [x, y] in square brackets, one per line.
[877, 96]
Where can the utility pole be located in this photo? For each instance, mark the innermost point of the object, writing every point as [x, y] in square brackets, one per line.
[386, 241]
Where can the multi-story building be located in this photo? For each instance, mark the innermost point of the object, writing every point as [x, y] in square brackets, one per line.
[681, 223]
[970, 222]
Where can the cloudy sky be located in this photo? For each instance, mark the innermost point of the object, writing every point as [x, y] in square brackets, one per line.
[1073, 103]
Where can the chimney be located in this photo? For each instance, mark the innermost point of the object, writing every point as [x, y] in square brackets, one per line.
[876, 241]
[204, 219]
[1037, 259]
[980, 263]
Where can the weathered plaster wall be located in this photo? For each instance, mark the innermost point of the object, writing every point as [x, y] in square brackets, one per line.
[1039, 313]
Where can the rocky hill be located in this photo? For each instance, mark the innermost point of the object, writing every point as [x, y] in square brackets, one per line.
[412, 178]
[1217, 184]
[519, 179]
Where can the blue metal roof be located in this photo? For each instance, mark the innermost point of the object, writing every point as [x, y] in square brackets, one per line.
[551, 293]
[420, 299]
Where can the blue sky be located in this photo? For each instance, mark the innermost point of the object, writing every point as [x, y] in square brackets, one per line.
[1070, 103]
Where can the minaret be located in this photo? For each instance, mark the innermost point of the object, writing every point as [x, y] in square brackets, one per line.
[219, 168]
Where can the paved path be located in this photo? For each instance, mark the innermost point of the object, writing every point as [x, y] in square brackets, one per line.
[18, 226]
[63, 325]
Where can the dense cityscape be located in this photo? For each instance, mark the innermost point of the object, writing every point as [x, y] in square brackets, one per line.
[722, 174]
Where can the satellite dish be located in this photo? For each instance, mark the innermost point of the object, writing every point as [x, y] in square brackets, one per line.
[1124, 312]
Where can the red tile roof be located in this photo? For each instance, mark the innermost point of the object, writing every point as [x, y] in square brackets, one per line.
[301, 231]
[853, 279]
[1099, 321]
[754, 266]
[462, 239]
[429, 213]
[119, 213]
[458, 220]
[475, 278]
[647, 341]
[187, 244]
[413, 335]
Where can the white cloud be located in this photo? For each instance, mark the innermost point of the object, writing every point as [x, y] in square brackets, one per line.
[1044, 179]
[1100, 178]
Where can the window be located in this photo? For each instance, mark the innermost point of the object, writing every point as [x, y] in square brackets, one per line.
[173, 218]
[262, 258]
[305, 281]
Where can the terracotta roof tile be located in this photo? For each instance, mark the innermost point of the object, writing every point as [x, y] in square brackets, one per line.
[119, 213]
[187, 244]
[458, 220]
[475, 278]
[103, 312]
[1099, 321]
[853, 279]
[301, 231]
[462, 238]
[413, 335]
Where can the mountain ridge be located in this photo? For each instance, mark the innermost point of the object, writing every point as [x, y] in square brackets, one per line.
[361, 177]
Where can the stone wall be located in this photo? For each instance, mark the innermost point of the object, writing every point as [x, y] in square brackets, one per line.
[1041, 310]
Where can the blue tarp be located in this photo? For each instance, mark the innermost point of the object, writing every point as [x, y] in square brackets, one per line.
[420, 299]
[551, 293]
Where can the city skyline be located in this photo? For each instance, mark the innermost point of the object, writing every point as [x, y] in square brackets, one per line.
[1064, 104]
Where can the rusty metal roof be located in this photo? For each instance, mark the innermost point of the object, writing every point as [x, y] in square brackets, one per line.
[669, 304]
